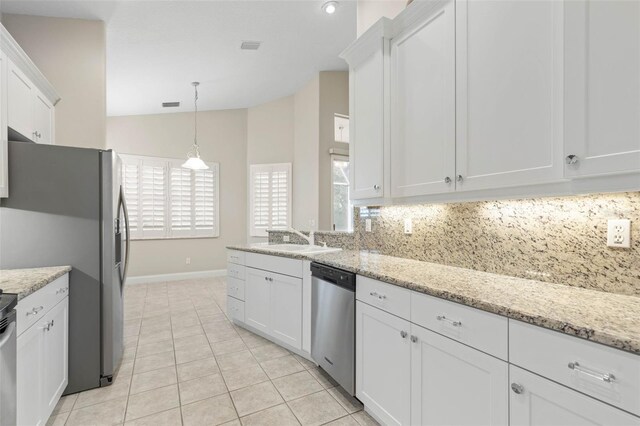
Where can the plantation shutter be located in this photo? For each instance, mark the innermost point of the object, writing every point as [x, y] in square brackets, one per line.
[154, 198]
[130, 186]
[180, 197]
[167, 201]
[270, 197]
[205, 210]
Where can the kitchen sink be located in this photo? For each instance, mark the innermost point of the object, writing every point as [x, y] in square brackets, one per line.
[298, 248]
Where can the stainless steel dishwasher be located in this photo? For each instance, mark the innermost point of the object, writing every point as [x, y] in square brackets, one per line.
[333, 329]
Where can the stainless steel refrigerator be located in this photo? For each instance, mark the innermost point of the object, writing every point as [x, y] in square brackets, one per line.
[66, 207]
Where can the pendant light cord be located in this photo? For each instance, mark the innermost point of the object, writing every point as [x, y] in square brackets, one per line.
[195, 116]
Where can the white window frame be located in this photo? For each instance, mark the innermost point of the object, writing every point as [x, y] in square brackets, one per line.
[267, 168]
[167, 233]
[340, 156]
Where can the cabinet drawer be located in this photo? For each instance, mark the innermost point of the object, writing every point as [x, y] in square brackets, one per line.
[388, 297]
[277, 264]
[235, 309]
[578, 364]
[235, 271]
[237, 257]
[33, 307]
[478, 329]
[235, 288]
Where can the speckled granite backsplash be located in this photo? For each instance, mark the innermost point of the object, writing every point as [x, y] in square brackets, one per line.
[559, 240]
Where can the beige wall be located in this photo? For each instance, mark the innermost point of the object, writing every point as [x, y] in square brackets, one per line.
[334, 99]
[222, 136]
[71, 53]
[270, 138]
[305, 165]
[370, 11]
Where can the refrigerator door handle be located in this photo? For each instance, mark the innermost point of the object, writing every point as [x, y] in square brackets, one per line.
[128, 240]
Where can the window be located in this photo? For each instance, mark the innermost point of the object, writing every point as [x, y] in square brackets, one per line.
[166, 201]
[342, 209]
[270, 197]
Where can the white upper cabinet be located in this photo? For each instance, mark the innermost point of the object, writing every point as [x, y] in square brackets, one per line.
[43, 119]
[368, 60]
[4, 169]
[602, 60]
[423, 104]
[509, 86]
[20, 102]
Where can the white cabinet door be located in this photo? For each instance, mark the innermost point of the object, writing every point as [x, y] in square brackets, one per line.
[286, 309]
[602, 59]
[367, 126]
[423, 106]
[56, 362]
[20, 93]
[535, 401]
[509, 89]
[383, 364]
[4, 164]
[257, 295]
[43, 118]
[30, 370]
[447, 375]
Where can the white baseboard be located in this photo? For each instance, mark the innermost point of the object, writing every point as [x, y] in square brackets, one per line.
[144, 279]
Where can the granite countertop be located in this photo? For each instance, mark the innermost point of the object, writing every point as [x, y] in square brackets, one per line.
[261, 248]
[607, 318]
[27, 281]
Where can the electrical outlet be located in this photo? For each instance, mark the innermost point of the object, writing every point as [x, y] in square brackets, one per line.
[619, 233]
[367, 225]
[187, 261]
[408, 226]
[285, 238]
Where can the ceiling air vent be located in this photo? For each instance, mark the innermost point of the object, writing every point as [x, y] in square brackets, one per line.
[170, 104]
[250, 45]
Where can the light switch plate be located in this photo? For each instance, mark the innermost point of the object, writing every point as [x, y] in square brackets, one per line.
[619, 233]
[367, 225]
[408, 226]
[285, 238]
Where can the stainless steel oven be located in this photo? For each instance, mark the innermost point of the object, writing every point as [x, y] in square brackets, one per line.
[333, 329]
[7, 359]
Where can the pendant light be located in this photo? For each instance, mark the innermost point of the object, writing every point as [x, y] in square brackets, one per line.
[194, 162]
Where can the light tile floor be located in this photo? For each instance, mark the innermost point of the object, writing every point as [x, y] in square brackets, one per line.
[186, 364]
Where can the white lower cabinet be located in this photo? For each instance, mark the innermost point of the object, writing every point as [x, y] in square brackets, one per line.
[383, 364]
[43, 362]
[537, 401]
[454, 384]
[273, 305]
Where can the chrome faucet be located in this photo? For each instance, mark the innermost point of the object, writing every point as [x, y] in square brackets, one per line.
[310, 240]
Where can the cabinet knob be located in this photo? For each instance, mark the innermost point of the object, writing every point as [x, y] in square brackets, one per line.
[376, 187]
[414, 339]
[571, 159]
[517, 388]
[459, 178]
[447, 179]
[403, 334]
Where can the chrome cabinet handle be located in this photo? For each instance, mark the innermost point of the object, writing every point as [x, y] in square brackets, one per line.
[414, 339]
[459, 178]
[605, 377]
[376, 187]
[445, 319]
[48, 326]
[517, 388]
[62, 290]
[378, 295]
[447, 179]
[268, 279]
[35, 311]
[571, 159]
[403, 334]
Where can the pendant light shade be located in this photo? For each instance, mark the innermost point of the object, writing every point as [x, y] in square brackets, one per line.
[194, 162]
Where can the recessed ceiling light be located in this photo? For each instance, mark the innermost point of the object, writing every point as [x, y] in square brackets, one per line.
[330, 7]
